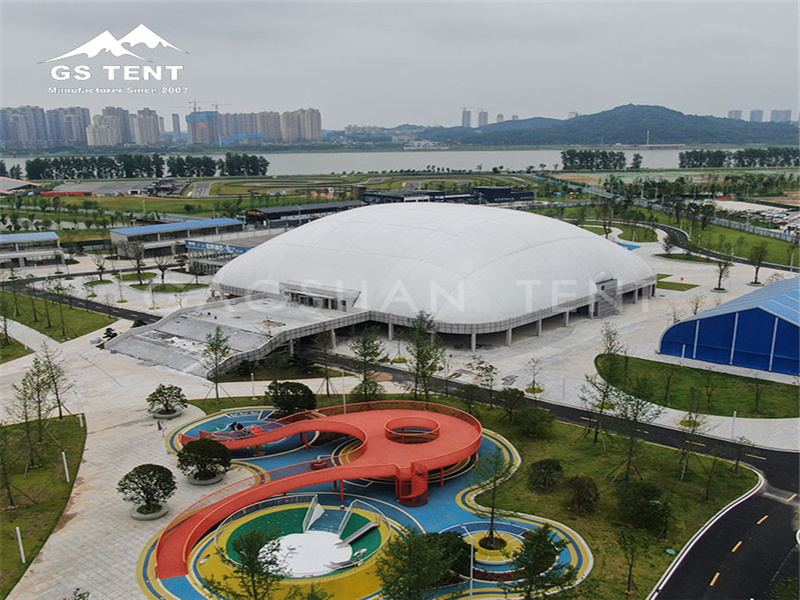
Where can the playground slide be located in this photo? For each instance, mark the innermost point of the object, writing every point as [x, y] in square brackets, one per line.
[364, 530]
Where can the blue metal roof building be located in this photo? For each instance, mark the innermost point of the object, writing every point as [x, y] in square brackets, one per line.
[170, 227]
[760, 330]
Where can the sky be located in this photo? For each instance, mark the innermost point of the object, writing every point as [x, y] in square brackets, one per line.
[388, 63]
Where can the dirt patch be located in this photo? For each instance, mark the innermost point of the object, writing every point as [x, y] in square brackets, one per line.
[381, 377]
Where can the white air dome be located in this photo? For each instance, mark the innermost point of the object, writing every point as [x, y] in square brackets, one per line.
[465, 265]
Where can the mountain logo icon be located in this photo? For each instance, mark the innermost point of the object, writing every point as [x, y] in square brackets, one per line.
[107, 43]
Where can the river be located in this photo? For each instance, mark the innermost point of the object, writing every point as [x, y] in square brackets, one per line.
[311, 163]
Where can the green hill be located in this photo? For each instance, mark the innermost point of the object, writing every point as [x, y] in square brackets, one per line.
[627, 125]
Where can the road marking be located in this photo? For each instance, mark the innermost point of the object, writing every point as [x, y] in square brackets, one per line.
[792, 497]
[762, 519]
[713, 581]
[697, 443]
[754, 456]
[736, 547]
[588, 419]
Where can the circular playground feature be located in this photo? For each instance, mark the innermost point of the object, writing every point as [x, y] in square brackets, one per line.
[315, 540]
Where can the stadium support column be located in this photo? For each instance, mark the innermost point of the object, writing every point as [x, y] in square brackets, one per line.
[566, 318]
[391, 332]
[291, 347]
[333, 338]
[539, 328]
[509, 335]
[636, 296]
[473, 341]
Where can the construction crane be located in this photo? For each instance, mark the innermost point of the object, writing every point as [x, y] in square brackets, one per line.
[196, 104]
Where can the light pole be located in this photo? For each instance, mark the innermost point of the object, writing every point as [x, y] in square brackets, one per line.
[471, 561]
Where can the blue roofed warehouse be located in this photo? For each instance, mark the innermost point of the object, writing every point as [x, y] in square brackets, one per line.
[760, 330]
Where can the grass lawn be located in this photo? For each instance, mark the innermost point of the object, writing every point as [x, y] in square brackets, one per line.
[582, 457]
[41, 494]
[661, 276]
[637, 233]
[675, 285]
[731, 392]
[12, 350]
[165, 288]
[95, 282]
[76, 321]
[134, 277]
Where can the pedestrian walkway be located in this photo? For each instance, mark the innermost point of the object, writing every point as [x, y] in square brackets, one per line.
[29, 337]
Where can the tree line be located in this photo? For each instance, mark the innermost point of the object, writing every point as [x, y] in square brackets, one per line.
[140, 165]
[596, 160]
[747, 157]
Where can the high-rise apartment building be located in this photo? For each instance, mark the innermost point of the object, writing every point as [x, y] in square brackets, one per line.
[146, 127]
[176, 123]
[780, 116]
[483, 118]
[23, 127]
[466, 117]
[310, 125]
[269, 123]
[499, 117]
[105, 130]
[203, 127]
[290, 127]
[756, 116]
[515, 117]
[67, 126]
[124, 117]
[735, 114]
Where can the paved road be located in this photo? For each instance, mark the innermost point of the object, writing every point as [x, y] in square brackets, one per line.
[746, 573]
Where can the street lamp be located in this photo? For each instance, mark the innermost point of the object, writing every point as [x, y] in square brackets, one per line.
[471, 561]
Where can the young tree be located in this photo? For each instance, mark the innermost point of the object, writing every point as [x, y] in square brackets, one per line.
[214, 354]
[710, 470]
[533, 562]
[669, 243]
[612, 351]
[166, 399]
[511, 400]
[56, 375]
[723, 267]
[490, 472]
[163, 261]
[99, 265]
[545, 474]
[692, 425]
[413, 565]
[485, 373]
[147, 486]
[257, 570]
[367, 349]
[134, 253]
[696, 303]
[598, 397]
[632, 545]
[634, 412]
[204, 459]
[7, 461]
[323, 343]
[291, 397]
[758, 254]
[425, 352]
[534, 369]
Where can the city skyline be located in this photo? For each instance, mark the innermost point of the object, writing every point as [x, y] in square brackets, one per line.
[370, 64]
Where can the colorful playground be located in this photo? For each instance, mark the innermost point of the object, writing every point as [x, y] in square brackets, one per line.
[338, 483]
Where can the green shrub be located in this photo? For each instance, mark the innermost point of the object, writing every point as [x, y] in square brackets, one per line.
[544, 474]
[204, 459]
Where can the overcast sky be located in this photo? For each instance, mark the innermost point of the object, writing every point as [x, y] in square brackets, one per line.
[387, 63]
